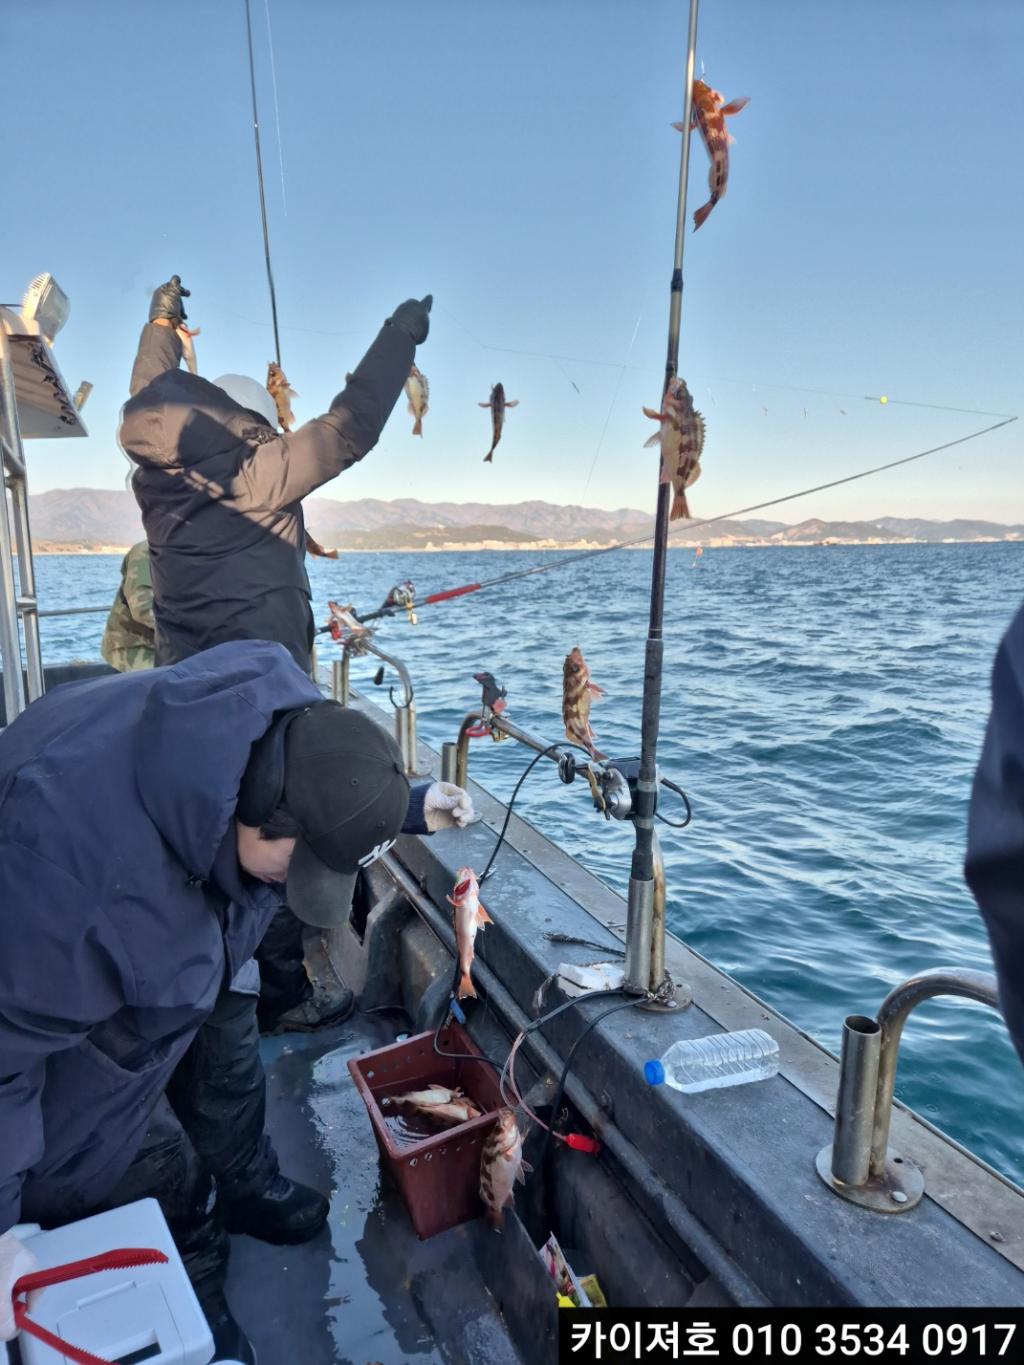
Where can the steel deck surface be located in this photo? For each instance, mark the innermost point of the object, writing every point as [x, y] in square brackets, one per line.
[365, 1291]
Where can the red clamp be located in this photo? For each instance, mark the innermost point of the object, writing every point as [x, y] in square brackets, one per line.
[122, 1259]
[579, 1142]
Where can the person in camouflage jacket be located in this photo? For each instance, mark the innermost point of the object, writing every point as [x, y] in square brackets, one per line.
[128, 640]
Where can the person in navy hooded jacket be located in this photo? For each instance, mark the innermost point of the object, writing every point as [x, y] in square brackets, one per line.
[151, 824]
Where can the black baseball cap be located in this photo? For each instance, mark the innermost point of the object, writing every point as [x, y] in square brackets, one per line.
[341, 778]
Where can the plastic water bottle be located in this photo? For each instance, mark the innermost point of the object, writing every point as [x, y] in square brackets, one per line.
[696, 1064]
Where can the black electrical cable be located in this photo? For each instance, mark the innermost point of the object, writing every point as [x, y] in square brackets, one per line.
[544, 753]
[560, 1089]
[676, 824]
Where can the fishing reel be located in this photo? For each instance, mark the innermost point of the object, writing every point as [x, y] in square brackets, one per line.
[612, 782]
[402, 597]
[614, 785]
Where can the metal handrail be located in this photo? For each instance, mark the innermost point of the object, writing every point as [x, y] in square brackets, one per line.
[405, 709]
[858, 1164]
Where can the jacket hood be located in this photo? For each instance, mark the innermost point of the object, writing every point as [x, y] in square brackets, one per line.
[195, 735]
[181, 420]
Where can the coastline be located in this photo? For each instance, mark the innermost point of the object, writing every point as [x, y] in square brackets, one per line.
[475, 546]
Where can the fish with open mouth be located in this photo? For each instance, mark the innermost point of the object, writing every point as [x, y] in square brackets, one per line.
[682, 442]
[709, 115]
[470, 916]
[497, 404]
[578, 692]
[501, 1165]
[418, 392]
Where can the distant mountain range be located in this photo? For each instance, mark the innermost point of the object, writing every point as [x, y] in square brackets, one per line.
[96, 518]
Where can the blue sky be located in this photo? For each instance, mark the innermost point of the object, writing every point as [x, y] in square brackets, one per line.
[518, 161]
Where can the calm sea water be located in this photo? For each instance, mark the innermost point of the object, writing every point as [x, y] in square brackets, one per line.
[823, 708]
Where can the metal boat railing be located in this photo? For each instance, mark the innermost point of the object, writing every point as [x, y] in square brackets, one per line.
[405, 709]
[858, 1164]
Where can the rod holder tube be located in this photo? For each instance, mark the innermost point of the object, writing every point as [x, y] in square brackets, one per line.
[449, 761]
[639, 920]
[405, 734]
[855, 1104]
[893, 1014]
[469, 722]
[339, 680]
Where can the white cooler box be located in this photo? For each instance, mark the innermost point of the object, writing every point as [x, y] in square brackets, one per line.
[145, 1315]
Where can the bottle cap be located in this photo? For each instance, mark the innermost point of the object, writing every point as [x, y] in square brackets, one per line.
[654, 1073]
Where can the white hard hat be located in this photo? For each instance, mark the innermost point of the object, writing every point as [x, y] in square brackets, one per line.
[250, 394]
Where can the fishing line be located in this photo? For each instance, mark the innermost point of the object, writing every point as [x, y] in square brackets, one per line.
[611, 405]
[726, 379]
[259, 175]
[277, 111]
[581, 555]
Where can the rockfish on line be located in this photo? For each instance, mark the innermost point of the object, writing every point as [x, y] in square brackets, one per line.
[682, 440]
[709, 115]
[501, 1165]
[497, 404]
[282, 393]
[188, 350]
[418, 392]
[470, 916]
[578, 692]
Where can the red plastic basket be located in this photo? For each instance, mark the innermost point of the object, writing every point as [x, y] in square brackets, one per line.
[438, 1178]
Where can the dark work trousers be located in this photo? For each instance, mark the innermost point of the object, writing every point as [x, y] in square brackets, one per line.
[283, 980]
[208, 1124]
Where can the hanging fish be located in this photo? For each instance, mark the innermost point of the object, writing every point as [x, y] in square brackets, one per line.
[682, 441]
[501, 1165]
[470, 916]
[497, 404]
[188, 350]
[578, 692]
[282, 393]
[313, 547]
[418, 392]
[709, 115]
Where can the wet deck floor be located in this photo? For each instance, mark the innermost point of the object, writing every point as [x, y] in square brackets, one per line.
[365, 1291]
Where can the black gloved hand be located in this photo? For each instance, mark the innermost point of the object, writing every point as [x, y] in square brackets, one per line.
[413, 318]
[167, 301]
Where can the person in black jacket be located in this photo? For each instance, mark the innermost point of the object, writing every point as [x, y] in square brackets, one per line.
[221, 489]
[994, 866]
[221, 492]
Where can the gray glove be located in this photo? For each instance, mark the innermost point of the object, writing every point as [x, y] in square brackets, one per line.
[413, 318]
[166, 302]
[446, 806]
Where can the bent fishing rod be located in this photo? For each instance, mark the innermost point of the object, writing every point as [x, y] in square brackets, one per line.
[392, 608]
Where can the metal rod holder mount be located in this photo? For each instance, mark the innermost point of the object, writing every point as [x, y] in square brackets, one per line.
[858, 1164]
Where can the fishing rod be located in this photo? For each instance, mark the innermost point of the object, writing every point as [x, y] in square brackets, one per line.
[640, 966]
[259, 176]
[391, 609]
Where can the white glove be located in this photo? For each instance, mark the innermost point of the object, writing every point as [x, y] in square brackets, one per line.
[15, 1260]
[445, 806]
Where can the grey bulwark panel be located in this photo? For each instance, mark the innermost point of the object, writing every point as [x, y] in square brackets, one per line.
[741, 1159]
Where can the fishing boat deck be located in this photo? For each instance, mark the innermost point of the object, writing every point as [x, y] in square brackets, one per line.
[365, 1291]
